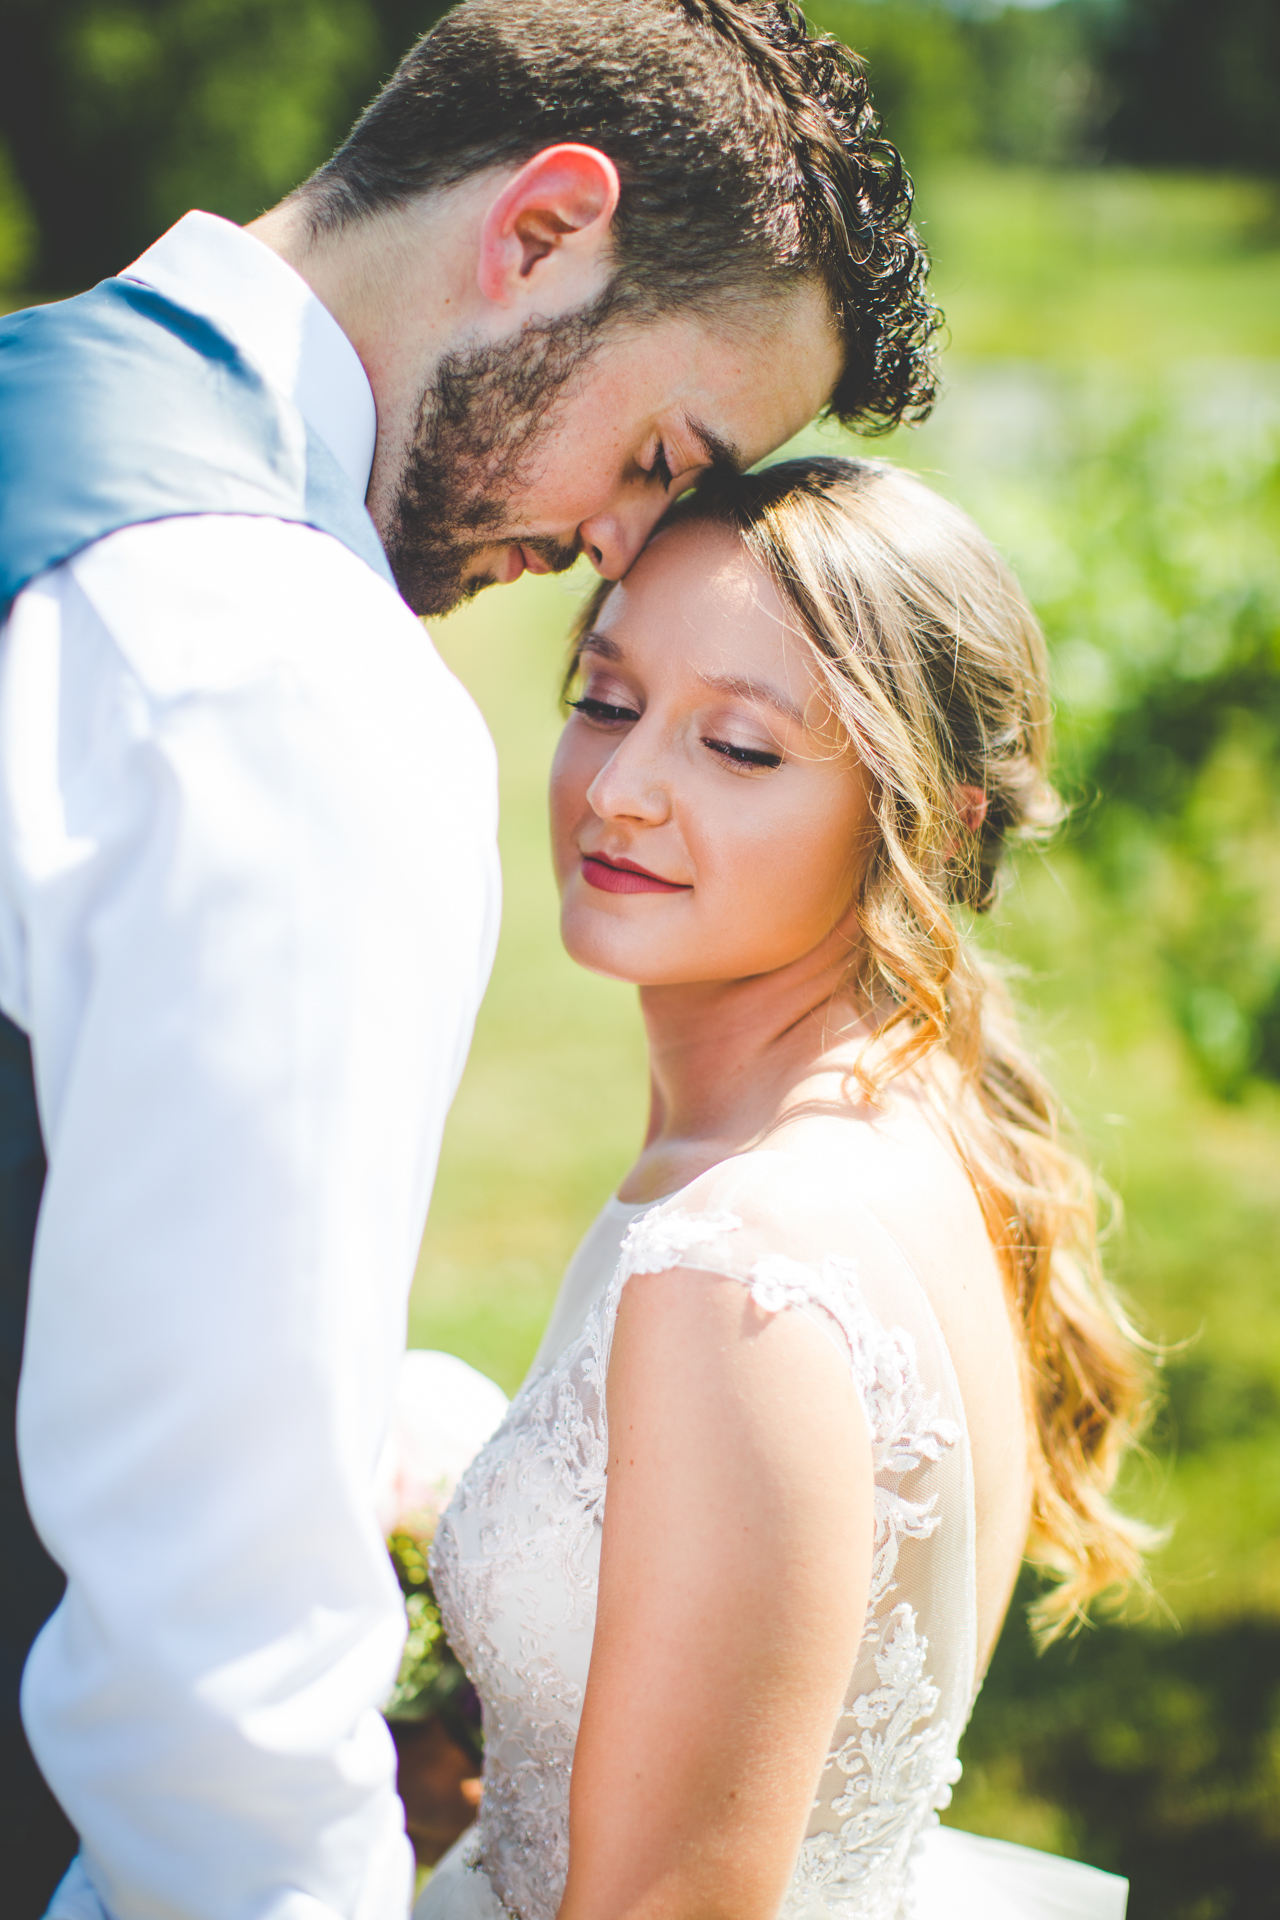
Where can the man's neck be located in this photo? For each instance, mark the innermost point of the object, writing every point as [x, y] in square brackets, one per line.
[400, 284]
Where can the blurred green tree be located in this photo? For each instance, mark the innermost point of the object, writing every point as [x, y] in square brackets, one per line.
[118, 115]
[1192, 85]
[1007, 82]
[1174, 616]
[1146, 82]
[1163, 1746]
[927, 79]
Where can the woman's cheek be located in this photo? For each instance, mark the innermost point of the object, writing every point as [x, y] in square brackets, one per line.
[796, 874]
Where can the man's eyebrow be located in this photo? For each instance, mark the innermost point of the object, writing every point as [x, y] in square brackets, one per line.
[720, 454]
[755, 690]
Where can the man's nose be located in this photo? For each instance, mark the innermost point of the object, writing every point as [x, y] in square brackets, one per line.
[612, 538]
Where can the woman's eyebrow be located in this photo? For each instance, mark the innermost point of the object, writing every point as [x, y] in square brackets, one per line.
[600, 643]
[757, 690]
[737, 686]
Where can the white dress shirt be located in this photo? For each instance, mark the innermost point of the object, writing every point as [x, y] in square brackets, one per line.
[248, 905]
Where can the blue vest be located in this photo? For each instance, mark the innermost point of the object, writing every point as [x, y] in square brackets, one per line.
[115, 408]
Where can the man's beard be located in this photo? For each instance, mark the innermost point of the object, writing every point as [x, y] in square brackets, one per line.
[480, 425]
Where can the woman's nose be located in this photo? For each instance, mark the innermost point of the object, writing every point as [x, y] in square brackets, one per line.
[630, 786]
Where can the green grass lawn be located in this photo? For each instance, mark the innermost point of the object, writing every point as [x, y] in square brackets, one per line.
[553, 1097]
[1134, 267]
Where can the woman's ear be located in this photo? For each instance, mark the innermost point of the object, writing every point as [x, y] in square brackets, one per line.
[556, 212]
[971, 805]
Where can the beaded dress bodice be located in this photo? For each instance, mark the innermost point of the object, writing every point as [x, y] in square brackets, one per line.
[518, 1551]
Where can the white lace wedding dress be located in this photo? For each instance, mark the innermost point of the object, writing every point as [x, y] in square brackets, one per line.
[517, 1554]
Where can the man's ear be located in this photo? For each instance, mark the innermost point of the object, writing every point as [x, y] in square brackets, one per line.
[558, 209]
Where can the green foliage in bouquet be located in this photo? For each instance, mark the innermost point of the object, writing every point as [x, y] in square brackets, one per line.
[432, 1682]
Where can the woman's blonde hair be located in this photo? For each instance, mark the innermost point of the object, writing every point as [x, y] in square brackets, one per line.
[936, 666]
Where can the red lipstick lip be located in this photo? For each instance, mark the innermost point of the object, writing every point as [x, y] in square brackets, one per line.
[625, 876]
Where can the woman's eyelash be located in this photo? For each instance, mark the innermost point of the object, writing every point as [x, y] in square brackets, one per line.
[605, 713]
[743, 756]
[601, 710]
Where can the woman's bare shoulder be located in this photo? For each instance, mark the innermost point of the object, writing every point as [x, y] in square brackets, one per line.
[894, 1163]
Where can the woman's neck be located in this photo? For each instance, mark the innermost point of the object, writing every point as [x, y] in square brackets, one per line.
[727, 1057]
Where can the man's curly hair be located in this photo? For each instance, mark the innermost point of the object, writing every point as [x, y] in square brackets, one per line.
[748, 149]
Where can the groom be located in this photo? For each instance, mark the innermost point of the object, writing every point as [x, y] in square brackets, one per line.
[575, 255]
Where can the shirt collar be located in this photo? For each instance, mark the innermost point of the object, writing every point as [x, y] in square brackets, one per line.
[224, 274]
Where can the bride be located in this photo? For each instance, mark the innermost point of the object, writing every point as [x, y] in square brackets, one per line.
[729, 1574]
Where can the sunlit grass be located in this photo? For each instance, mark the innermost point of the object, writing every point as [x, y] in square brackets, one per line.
[552, 1103]
[1138, 267]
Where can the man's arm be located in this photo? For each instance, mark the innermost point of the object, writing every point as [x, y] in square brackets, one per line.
[249, 832]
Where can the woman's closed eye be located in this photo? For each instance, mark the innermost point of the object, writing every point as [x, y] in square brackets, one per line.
[604, 713]
[742, 756]
[611, 714]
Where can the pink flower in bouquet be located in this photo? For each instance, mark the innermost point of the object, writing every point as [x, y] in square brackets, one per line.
[444, 1412]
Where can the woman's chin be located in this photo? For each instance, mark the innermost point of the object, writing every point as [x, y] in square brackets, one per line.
[603, 948]
[601, 957]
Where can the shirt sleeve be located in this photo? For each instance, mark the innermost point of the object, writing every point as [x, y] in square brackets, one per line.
[249, 904]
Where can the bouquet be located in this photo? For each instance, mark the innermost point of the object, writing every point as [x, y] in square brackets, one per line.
[431, 1683]
[444, 1412]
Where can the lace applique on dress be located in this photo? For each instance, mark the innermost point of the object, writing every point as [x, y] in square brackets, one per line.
[516, 1562]
[898, 1768]
[659, 1240]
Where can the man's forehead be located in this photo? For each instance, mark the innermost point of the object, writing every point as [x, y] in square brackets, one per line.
[746, 382]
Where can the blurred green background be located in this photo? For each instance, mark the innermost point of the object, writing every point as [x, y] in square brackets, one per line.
[1099, 181]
